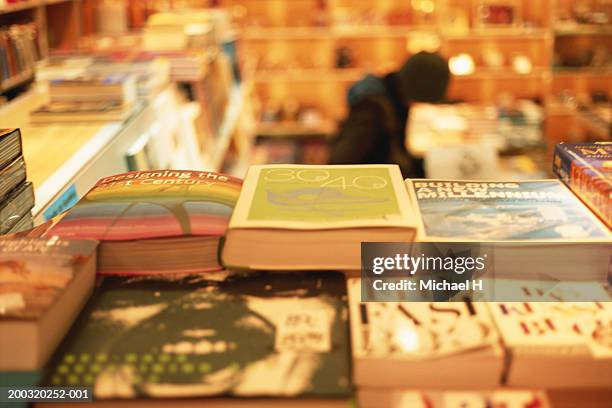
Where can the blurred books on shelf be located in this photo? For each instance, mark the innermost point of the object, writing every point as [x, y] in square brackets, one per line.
[18, 54]
[81, 111]
[586, 168]
[261, 340]
[43, 285]
[161, 221]
[120, 88]
[306, 209]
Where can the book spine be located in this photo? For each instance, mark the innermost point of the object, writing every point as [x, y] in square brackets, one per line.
[585, 181]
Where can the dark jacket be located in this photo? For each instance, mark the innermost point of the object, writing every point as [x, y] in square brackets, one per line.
[374, 131]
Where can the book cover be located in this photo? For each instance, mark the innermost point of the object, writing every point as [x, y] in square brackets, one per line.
[549, 341]
[322, 197]
[152, 204]
[258, 335]
[417, 330]
[586, 168]
[34, 272]
[542, 210]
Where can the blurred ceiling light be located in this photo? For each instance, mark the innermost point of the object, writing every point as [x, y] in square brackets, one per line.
[522, 64]
[461, 64]
[428, 6]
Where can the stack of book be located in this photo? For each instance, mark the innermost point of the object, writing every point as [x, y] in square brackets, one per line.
[16, 193]
[89, 97]
[18, 54]
[586, 168]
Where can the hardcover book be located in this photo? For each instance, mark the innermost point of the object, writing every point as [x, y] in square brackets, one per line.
[10, 145]
[318, 215]
[11, 176]
[120, 88]
[551, 341]
[542, 219]
[43, 285]
[586, 168]
[16, 204]
[405, 398]
[71, 111]
[154, 221]
[423, 344]
[263, 336]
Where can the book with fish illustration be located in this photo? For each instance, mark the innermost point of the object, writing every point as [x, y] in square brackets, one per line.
[264, 336]
[320, 215]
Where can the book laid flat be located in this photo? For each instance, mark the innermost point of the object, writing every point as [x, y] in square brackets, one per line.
[119, 88]
[43, 286]
[315, 217]
[10, 145]
[11, 176]
[154, 221]
[91, 111]
[259, 339]
[550, 342]
[406, 398]
[586, 168]
[542, 219]
[16, 204]
[423, 344]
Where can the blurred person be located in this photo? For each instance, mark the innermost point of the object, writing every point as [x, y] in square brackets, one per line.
[375, 128]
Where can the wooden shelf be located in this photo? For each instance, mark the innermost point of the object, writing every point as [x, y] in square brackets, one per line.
[331, 32]
[16, 80]
[294, 130]
[583, 29]
[311, 75]
[28, 5]
[22, 5]
[525, 34]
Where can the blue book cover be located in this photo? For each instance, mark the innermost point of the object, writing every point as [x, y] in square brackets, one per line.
[542, 210]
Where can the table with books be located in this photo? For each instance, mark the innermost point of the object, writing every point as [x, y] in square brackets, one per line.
[214, 291]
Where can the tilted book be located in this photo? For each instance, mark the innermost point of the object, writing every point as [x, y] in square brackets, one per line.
[10, 145]
[422, 344]
[154, 221]
[44, 283]
[277, 339]
[586, 168]
[315, 217]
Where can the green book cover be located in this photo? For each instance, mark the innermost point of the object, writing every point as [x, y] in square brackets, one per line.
[314, 197]
[261, 335]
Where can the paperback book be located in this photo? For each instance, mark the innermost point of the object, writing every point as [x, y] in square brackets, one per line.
[586, 168]
[549, 342]
[318, 215]
[154, 221]
[555, 233]
[405, 398]
[268, 337]
[423, 344]
[43, 285]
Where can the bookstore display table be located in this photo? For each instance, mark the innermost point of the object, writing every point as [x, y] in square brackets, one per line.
[65, 160]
